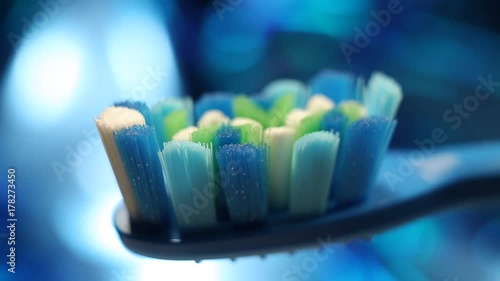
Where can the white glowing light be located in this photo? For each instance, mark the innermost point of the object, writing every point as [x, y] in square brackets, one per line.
[141, 58]
[44, 76]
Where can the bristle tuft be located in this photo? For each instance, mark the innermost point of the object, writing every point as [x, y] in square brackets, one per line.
[246, 184]
[313, 164]
[363, 146]
[138, 148]
[188, 169]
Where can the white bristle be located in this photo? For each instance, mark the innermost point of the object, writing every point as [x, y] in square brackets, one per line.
[241, 121]
[213, 118]
[319, 103]
[280, 142]
[295, 116]
[185, 134]
[111, 120]
[257, 128]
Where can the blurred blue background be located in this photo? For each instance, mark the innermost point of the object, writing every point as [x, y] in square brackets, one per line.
[63, 61]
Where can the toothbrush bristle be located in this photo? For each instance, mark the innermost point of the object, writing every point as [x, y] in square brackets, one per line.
[334, 121]
[185, 134]
[188, 169]
[139, 150]
[226, 135]
[246, 186]
[383, 96]
[139, 106]
[170, 116]
[244, 107]
[204, 135]
[320, 103]
[111, 120]
[336, 85]
[280, 142]
[309, 124]
[213, 117]
[218, 101]
[293, 151]
[353, 110]
[251, 130]
[363, 144]
[281, 87]
[313, 164]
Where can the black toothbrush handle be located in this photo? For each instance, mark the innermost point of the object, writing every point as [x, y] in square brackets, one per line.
[448, 177]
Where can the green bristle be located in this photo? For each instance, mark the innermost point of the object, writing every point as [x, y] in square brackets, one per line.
[353, 110]
[204, 135]
[281, 87]
[170, 115]
[251, 130]
[280, 142]
[174, 122]
[310, 124]
[281, 107]
[313, 164]
[188, 170]
[244, 107]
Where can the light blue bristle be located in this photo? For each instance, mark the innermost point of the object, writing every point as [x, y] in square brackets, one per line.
[139, 150]
[278, 88]
[188, 170]
[244, 167]
[313, 165]
[139, 106]
[163, 108]
[336, 85]
[383, 96]
[217, 100]
[363, 146]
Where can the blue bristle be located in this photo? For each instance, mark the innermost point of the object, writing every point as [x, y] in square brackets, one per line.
[265, 102]
[334, 121]
[217, 100]
[363, 146]
[188, 168]
[336, 85]
[162, 109]
[278, 88]
[313, 164]
[139, 106]
[226, 135]
[139, 150]
[246, 186]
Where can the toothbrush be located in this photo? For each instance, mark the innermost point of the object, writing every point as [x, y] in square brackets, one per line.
[290, 176]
